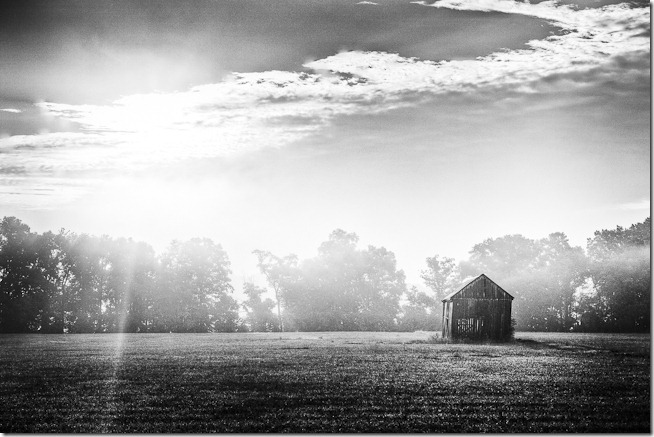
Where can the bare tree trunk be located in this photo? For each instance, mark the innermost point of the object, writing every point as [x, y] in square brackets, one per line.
[63, 303]
[279, 310]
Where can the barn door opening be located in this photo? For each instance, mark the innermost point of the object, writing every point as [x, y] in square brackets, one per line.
[471, 327]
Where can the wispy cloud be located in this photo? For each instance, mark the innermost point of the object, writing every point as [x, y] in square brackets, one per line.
[367, 3]
[250, 111]
[12, 110]
[642, 205]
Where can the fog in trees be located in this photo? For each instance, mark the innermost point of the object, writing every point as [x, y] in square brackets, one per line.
[194, 283]
[259, 315]
[542, 275]
[559, 287]
[620, 278]
[342, 288]
[78, 283]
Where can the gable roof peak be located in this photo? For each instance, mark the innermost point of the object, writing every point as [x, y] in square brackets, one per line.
[467, 282]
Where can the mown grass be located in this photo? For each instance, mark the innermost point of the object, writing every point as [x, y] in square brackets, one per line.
[322, 382]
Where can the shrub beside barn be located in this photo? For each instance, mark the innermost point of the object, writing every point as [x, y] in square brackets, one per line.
[481, 310]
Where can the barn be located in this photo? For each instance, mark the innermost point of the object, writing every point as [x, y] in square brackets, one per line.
[481, 310]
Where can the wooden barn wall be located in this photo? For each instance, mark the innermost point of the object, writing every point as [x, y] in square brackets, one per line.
[480, 318]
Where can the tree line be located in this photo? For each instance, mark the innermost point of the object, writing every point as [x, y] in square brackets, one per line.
[77, 283]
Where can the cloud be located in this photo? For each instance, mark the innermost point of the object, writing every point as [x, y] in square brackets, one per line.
[355, 81]
[246, 112]
[12, 110]
[642, 205]
[367, 3]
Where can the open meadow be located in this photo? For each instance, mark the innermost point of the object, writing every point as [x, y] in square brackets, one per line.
[323, 382]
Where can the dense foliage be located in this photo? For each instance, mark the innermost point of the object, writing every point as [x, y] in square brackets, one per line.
[558, 287]
[342, 289]
[66, 282]
[78, 283]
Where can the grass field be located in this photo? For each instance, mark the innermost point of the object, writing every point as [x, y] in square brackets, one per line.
[328, 382]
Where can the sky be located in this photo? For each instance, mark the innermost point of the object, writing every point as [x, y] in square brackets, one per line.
[422, 127]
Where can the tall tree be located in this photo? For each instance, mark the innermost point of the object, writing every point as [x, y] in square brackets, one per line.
[130, 285]
[503, 257]
[380, 289]
[260, 317]
[279, 273]
[621, 273]
[344, 288]
[196, 290]
[543, 276]
[53, 261]
[564, 269]
[23, 286]
[92, 298]
[443, 277]
[417, 312]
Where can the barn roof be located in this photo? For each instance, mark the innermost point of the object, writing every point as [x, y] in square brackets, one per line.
[451, 295]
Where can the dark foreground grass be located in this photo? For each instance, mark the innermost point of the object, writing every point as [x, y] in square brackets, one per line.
[327, 382]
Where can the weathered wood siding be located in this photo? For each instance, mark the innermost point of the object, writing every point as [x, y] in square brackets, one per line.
[481, 310]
